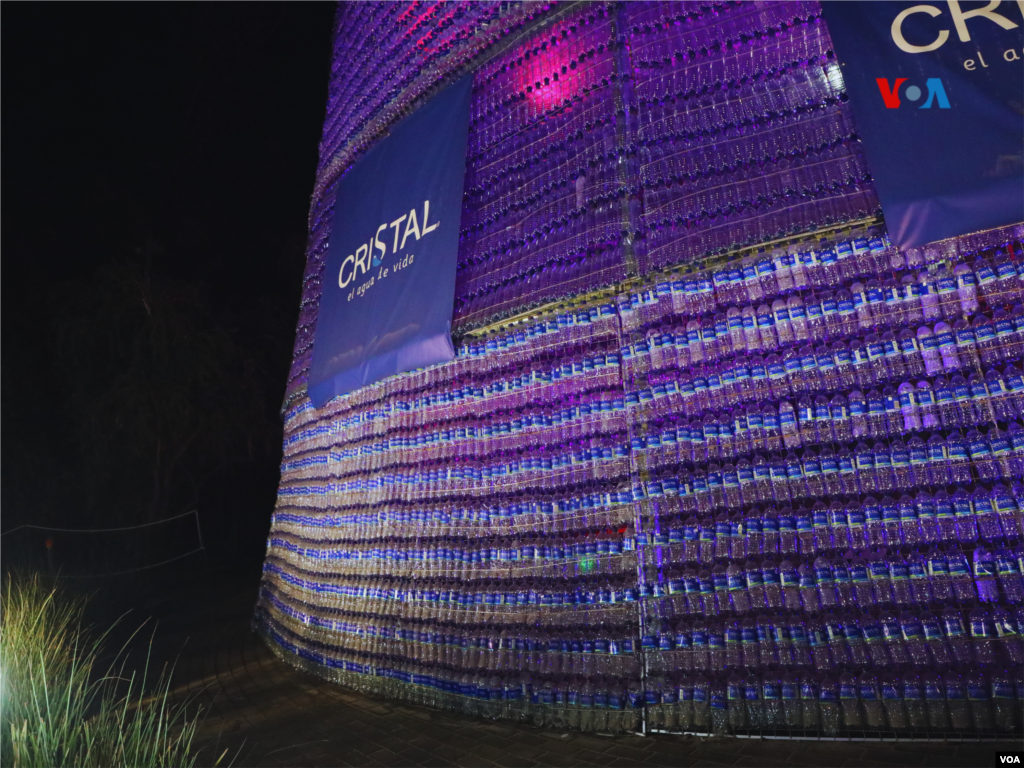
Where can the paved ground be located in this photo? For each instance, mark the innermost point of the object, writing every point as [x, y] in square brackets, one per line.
[266, 713]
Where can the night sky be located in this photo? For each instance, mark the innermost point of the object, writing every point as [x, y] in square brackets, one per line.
[201, 118]
[189, 130]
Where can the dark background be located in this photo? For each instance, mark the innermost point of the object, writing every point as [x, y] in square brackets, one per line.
[157, 164]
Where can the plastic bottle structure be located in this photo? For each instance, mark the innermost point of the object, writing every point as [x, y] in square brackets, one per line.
[782, 495]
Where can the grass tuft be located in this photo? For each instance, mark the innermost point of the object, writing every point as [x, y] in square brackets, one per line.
[59, 708]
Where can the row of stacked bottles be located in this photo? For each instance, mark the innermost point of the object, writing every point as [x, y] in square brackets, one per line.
[703, 506]
[482, 546]
[837, 517]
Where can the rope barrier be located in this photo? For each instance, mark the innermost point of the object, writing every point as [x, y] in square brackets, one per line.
[103, 530]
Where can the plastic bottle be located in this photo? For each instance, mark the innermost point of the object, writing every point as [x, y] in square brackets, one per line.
[914, 639]
[817, 643]
[1007, 274]
[989, 526]
[790, 578]
[874, 641]
[766, 645]
[956, 635]
[910, 293]
[987, 340]
[1002, 700]
[967, 288]
[862, 309]
[1005, 348]
[960, 573]
[982, 636]
[929, 296]
[914, 701]
[936, 704]
[979, 701]
[1011, 582]
[959, 463]
[750, 712]
[700, 702]
[871, 701]
[849, 702]
[791, 701]
[719, 705]
[772, 584]
[892, 291]
[798, 318]
[945, 339]
[828, 710]
[930, 354]
[985, 276]
[861, 580]
[892, 635]
[935, 638]
[1009, 637]
[997, 398]
[766, 710]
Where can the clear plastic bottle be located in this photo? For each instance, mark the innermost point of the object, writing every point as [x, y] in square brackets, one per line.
[877, 422]
[930, 355]
[929, 296]
[792, 716]
[736, 691]
[862, 307]
[936, 707]
[982, 636]
[996, 396]
[935, 638]
[985, 336]
[700, 703]
[985, 276]
[861, 580]
[956, 635]
[914, 701]
[979, 701]
[719, 706]
[945, 283]
[828, 710]
[1011, 581]
[798, 318]
[872, 701]
[910, 291]
[849, 702]
[783, 324]
[1010, 644]
[945, 340]
[772, 584]
[893, 295]
[1002, 698]
[959, 462]
[967, 288]
[1005, 348]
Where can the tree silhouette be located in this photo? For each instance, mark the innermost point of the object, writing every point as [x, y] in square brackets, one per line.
[162, 391]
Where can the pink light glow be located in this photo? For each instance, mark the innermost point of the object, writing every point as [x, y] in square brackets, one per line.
[547, 78]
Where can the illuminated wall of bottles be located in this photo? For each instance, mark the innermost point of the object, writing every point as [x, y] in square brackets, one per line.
[781, 494]
[618, 139]
[790, 503]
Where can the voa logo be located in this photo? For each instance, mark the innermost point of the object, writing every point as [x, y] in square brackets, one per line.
[891, 93]
[1009, 759]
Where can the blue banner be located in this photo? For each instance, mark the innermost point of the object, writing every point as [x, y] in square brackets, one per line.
[389, 284]
[937, 90]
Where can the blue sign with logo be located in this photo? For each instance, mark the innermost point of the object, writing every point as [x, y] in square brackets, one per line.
[389, 283]
[937, 90]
